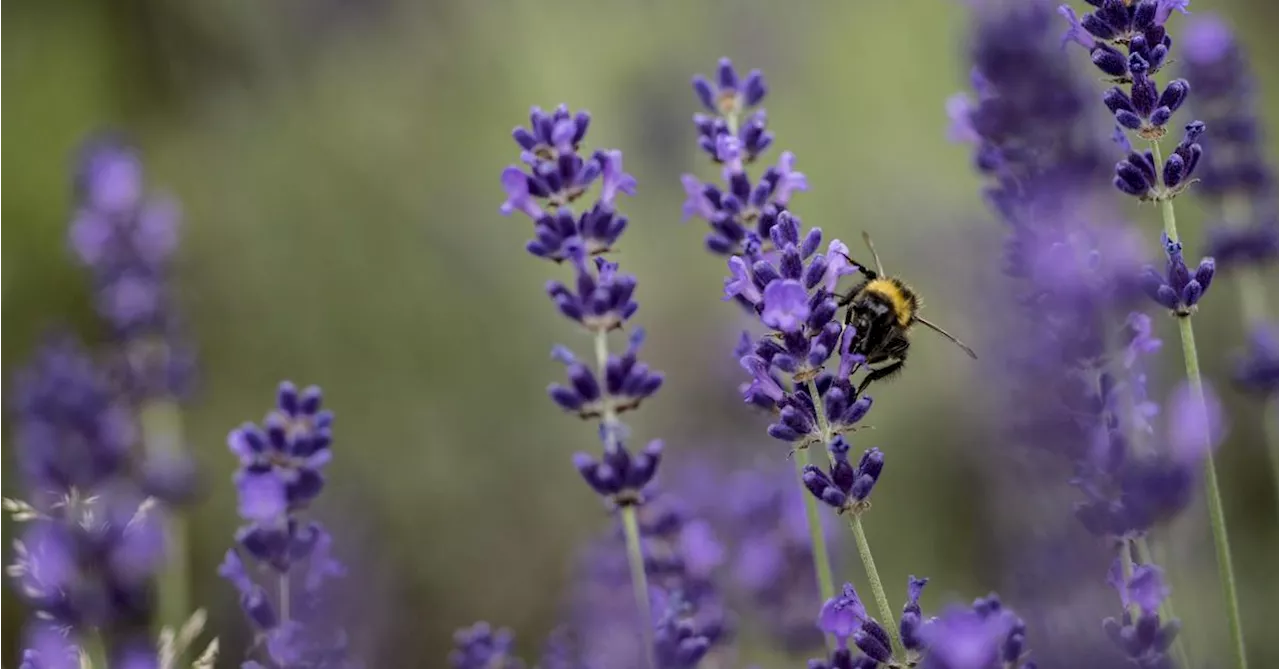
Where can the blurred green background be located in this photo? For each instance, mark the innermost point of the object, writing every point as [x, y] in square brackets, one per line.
[337, 162]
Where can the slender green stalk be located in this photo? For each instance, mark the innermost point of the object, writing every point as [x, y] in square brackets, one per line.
[864, 548]
[1212, 494]
[635, 558]
[817, 538]
[630, 524]
[877, 588]
[161, 423]
[1167, 610]
[94, 649]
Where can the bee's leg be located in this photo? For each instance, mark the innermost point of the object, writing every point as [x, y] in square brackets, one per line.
[880, 374]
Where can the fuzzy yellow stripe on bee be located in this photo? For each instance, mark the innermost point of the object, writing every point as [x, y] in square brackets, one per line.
[902, 302]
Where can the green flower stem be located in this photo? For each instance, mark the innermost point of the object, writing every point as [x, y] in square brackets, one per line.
[821, 557]
[161, 424]
[1212, 494]
[877, 588]
[630, 524]
[817, 538]
[94, 650]
[1167, 611]
[635, 558]
[864, 548]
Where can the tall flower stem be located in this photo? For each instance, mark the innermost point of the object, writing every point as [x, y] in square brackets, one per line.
[1167, 611]
[639, 584]
[161, 423]
[1212, 493]
[864, 548]
[877, 587]
[630, 523]
[818, 539]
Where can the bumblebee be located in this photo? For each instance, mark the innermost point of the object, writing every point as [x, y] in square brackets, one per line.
[883, 309]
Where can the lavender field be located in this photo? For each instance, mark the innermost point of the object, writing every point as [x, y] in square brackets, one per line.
[651, 335]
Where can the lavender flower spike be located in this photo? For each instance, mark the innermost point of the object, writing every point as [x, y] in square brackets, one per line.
[89, 538]
[280, 475]
[599, 300]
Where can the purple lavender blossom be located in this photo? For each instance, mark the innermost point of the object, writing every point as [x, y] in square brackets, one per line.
[1070, 390]
[740, 213]
[1179, 289]
[128, 241]
[90, 540]
[278, 479]
[482, 647]
[556, 175]
[1145, 109]
[601, 298]
[845, 617]
[1259, 368]
[980, 637]
[845, 487]
[682, 557]
[1144, 638]
[761, 540]
[72, 431]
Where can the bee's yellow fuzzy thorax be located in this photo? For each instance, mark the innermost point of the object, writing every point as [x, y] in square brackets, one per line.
[898, 295]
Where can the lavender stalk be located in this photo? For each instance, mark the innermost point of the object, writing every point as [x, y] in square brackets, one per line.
[743, 218]
[864, 546]
[1145, 109]
[127, 239]
[555, 176]
[1212, 493]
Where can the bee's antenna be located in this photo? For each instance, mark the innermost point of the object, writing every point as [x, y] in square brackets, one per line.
[948, 335]
[866, 237]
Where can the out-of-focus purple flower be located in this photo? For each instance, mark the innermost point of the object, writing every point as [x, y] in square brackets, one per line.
[128, 240]
[980, 637]
[1179, 289]
[48, 647]
[1196, 423]
[1259, 368]
[278, 479]
[1236, 177]
[1144, 639]
[72, 431]
[482, 647]
[682, 558]
[91, 541]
